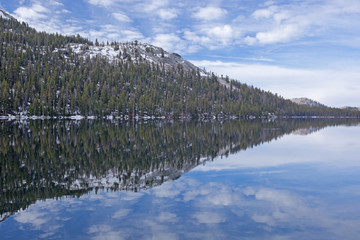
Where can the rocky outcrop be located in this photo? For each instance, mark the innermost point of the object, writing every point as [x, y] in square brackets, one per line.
[135, 52]
[307, 102]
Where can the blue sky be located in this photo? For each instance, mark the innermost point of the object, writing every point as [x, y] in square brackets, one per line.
[308, 48]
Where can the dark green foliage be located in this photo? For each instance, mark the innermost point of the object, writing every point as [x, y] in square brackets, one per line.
[41, 75]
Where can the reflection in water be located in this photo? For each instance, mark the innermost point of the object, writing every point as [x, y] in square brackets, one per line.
[50, 159]
[47, 159]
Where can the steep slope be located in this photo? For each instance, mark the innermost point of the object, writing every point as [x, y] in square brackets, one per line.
[134, 52]
[53, 75]
[5, 15]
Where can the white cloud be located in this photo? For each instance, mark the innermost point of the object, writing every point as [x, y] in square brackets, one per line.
[152, 6]
[197, 38]
[209, 13]
[264, 13]
[121, 17]
[111, 32]
[279, 25]
[64, 11]
[55, 3]
[280, 34]
[105, 3]
[223, 34]
[170, 42]
[47, 16]
[288, 22]
[35, 12]
[332, 87]
[130, 35]
[212, 37]
[167, 14]
[209, 217]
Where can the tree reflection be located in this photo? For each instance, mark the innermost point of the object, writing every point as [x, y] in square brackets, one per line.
[51, 159]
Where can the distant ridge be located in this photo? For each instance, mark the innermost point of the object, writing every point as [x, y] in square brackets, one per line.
[308, 102]
[351, 108]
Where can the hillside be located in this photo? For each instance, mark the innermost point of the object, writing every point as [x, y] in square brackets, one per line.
[307, 102]
[51, 75]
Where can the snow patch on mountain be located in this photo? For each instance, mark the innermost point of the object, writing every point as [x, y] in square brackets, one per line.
[137, 53]
[5, 15]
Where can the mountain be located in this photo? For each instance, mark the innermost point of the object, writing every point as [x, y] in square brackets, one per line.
[52, 75]
[307, 102]
[351, 108]
[5, 15]
[136, 52]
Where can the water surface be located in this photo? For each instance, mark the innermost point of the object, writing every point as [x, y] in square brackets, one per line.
[181, 180]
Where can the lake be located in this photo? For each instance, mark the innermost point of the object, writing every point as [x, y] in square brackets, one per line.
[97, 179]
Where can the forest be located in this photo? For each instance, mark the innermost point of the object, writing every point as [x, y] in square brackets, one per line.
[41, 75]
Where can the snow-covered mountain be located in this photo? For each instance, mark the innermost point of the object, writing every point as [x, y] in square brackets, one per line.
[131, 51]
[135, 52]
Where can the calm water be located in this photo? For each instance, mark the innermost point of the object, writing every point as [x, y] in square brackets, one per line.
[232, 180]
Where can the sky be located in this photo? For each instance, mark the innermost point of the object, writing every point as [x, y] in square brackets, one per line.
[299, 48]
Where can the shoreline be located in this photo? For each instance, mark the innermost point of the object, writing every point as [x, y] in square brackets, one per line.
[11, 117]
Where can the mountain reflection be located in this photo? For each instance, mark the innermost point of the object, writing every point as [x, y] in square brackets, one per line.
[50, 159]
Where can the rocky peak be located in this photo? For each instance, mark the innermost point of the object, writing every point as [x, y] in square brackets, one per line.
[307, 102]
[137, 53]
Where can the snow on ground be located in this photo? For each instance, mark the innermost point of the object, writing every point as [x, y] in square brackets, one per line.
[76, 117]
[92, 51]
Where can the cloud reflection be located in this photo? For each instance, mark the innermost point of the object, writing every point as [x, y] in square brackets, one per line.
[105, 232]
[209, 217]
[39, 217]
[244, 202]
[192, 207]
[341, 151]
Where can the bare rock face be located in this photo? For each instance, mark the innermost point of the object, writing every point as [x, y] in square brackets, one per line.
[307, 102]
[135, 52]
[351, 108]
